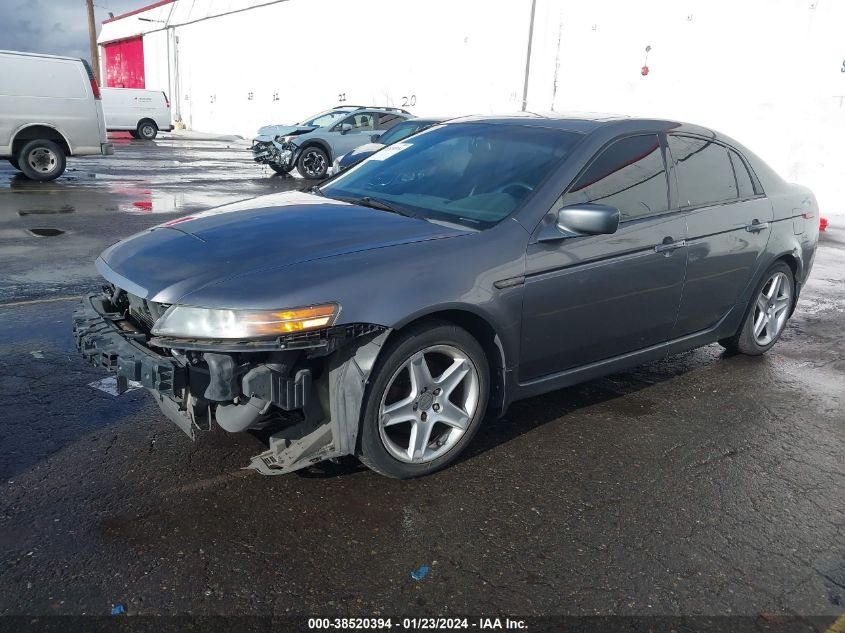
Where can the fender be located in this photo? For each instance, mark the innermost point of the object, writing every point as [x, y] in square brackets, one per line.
[319, 143]
[36, 124]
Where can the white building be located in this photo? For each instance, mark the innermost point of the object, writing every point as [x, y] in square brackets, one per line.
[769, 72]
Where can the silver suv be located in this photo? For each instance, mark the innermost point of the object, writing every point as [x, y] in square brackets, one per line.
[311, 146]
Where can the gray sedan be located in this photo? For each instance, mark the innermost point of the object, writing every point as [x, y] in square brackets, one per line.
[386, 312]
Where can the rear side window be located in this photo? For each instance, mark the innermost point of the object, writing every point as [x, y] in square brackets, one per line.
[629, 175]
[744, 185]
[705, 174]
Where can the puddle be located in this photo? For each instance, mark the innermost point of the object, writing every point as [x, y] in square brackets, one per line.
[65, 209]
[46, 232]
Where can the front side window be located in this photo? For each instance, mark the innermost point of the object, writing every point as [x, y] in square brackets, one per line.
[360, 122]
[629, 175]
[705, 174]
[474, 174]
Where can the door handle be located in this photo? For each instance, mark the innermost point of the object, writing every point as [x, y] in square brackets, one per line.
[756, 226]
[666, 247]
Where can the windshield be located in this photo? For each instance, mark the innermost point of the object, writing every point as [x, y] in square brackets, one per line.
[326, 118]
[475, 174]
[398, 132]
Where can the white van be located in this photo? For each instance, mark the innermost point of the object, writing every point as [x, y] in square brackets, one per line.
[142, 113]
[49, 109]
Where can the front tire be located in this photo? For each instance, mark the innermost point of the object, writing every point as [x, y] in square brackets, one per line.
[42, 160]
[428, 394]
[281, 169]
[147, 130]
[313, 163]
[767, 315]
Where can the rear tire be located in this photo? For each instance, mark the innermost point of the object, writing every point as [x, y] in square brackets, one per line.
[766, 317]
[42, 160]
[427, 396]
[147, 130]
[133, 134]
[313, 163]
[14, 164]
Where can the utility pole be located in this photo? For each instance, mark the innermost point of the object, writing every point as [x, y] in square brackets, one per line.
[528, 56]
[92, 40]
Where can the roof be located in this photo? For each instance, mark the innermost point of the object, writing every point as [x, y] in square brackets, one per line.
[28, 54]
[134, 11]
[583, 122]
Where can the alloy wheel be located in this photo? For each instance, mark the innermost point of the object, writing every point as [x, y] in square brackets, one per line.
[428, 404]
[771, 309]
[314, 163]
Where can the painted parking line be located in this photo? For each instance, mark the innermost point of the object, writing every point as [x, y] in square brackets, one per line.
[109, 385]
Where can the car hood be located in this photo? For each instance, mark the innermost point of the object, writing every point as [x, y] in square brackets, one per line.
[269, 132]
[168, 261]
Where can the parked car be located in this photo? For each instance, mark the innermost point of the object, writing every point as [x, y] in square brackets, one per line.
[393, 135]
[142, 113]
[311, 146]
[49, 109]
[474, 264]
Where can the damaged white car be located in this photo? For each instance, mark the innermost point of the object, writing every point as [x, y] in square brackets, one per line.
[312, 145]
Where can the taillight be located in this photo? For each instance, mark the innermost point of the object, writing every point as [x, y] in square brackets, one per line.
[94, 87]
[166, 100]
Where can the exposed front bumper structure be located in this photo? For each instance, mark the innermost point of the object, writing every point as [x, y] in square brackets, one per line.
[321, 374]
[268, 151]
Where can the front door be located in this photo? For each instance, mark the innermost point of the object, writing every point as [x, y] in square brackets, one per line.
[728, 220]
[363, 127]
[595, 297]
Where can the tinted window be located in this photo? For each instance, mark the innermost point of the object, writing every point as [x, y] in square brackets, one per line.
[628, 175]
[743, 178]
[387, 121]
[705, 175]
[475, 174]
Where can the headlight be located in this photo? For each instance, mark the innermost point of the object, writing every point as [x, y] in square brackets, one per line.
[193, 322]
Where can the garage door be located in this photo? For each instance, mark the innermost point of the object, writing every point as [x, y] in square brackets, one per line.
[125, 63]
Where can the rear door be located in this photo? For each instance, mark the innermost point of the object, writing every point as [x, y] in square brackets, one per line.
[595, 297]
[728, 219]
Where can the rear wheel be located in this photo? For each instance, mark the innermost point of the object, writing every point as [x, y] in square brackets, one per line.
[767, 315]
[428, 395]
[133, 134]
[42, 160]
[14, 164]
[147, 130]
[313, 163]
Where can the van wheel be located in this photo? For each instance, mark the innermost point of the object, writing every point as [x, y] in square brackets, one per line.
[42, 160]
[147, 130]
[14, 164]
[427, 397]
[133, 134]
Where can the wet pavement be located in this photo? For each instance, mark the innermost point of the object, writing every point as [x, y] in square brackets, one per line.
[702, 485]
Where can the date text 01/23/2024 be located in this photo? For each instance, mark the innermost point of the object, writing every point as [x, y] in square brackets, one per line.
[414, 624]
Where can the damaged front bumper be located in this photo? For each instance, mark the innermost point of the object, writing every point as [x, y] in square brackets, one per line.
[319, 376]
[269, 151]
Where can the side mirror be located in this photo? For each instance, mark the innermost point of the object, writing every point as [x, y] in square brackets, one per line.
[581, 219]
[374, 138]
[346, 127]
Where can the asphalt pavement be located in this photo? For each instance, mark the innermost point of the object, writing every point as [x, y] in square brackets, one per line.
[701, 485]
